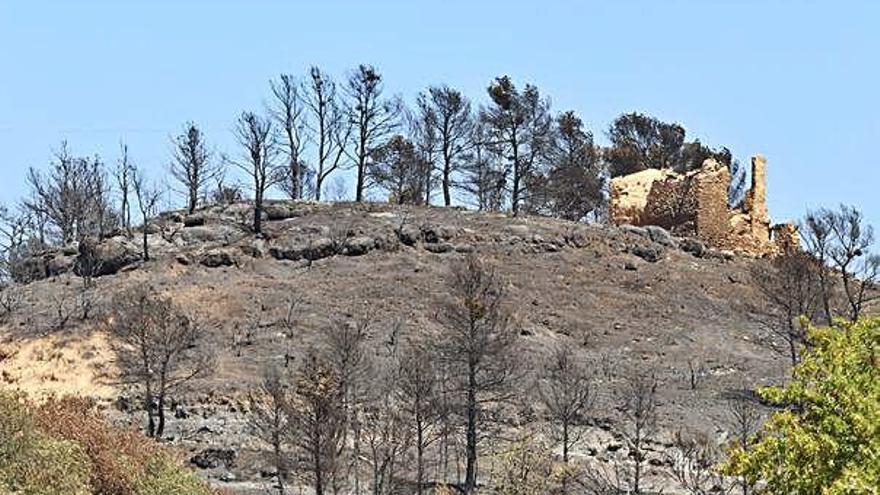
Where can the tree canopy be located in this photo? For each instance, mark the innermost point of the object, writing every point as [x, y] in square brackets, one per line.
[826, 437]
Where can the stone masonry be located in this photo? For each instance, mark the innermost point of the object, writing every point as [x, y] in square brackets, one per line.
[695, 204]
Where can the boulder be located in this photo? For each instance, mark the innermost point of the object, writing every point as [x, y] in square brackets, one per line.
[647, 253]
[211, 233]
[276, 212]
[217, 258]
[358, 246]
[195, 220]
[443, 247]
[105, 258]
[213, 458]
[297, 249]
[693, 246]
[661, 236]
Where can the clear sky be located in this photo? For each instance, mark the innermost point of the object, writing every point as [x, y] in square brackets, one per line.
[796, 80]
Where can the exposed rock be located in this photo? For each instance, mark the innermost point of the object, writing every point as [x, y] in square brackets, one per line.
[276, 212]
[692, 246]
[298, 249]
[195, 220]
[211, 233]
[217, 258]
[408, 235]
[213, 458]
[443, 247]
[359, 246]
[105, 258]
[661, 236]
[647, 253]
[630, 266]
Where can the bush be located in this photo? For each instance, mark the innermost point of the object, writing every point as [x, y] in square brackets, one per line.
[32, 462]
[164, 476]
[64, 447]
[827, 438]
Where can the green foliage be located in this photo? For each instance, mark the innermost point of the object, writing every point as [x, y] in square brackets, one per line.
[165, 477]
[63, 447]
[32, 462]
[827, 438]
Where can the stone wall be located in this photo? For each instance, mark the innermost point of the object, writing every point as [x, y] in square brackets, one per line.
[695, 204]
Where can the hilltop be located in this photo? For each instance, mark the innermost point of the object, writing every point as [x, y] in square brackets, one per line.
[628, 297]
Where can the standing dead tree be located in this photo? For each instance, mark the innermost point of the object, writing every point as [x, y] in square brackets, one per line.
[566, 392]
[317, 421]
[351, 363]
[851, 256]
[329, 126]
[476, 345]
[744, 418]
[288, 110]
[255, 135]
[159, 349]
[123, 174]
[374, 119]
[72, 197]
[269, 421]
[191, 165]
[417, 393]
[521, 130]
[816, 235]
[791, 290]
[147, 196]
[638, 409]
[692, 462]
[447, 112]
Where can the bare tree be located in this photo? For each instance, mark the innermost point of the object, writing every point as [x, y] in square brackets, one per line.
[192, 165]
[374, 119]
[329, 126]
[521, 130]
[692, 462]
[417, 389]
[269, 421]
[254, 134]
[448, 113]
[483, 177]
[123, 175]
[744, 419]
[288, 110]
[476, 345]
[851, 255]
[348, 355]
[14, 231]
[386, 431]
[816, 230]
[147, 196]
[159, 349]
[638, 408]
[73, 197]
[791, 289]
[566, 391]
[318, 421]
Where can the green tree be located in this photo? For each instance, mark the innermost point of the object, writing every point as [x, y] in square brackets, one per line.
[826, 439]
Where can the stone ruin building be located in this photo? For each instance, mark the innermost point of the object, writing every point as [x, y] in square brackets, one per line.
[695, 204]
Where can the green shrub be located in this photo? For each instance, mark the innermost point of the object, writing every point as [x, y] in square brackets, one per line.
[164, 476]
[64, 447]
[826, 439]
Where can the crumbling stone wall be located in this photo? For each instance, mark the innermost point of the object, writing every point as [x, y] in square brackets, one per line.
[695, 204]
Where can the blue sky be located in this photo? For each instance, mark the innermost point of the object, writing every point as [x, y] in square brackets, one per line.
[797, 81]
